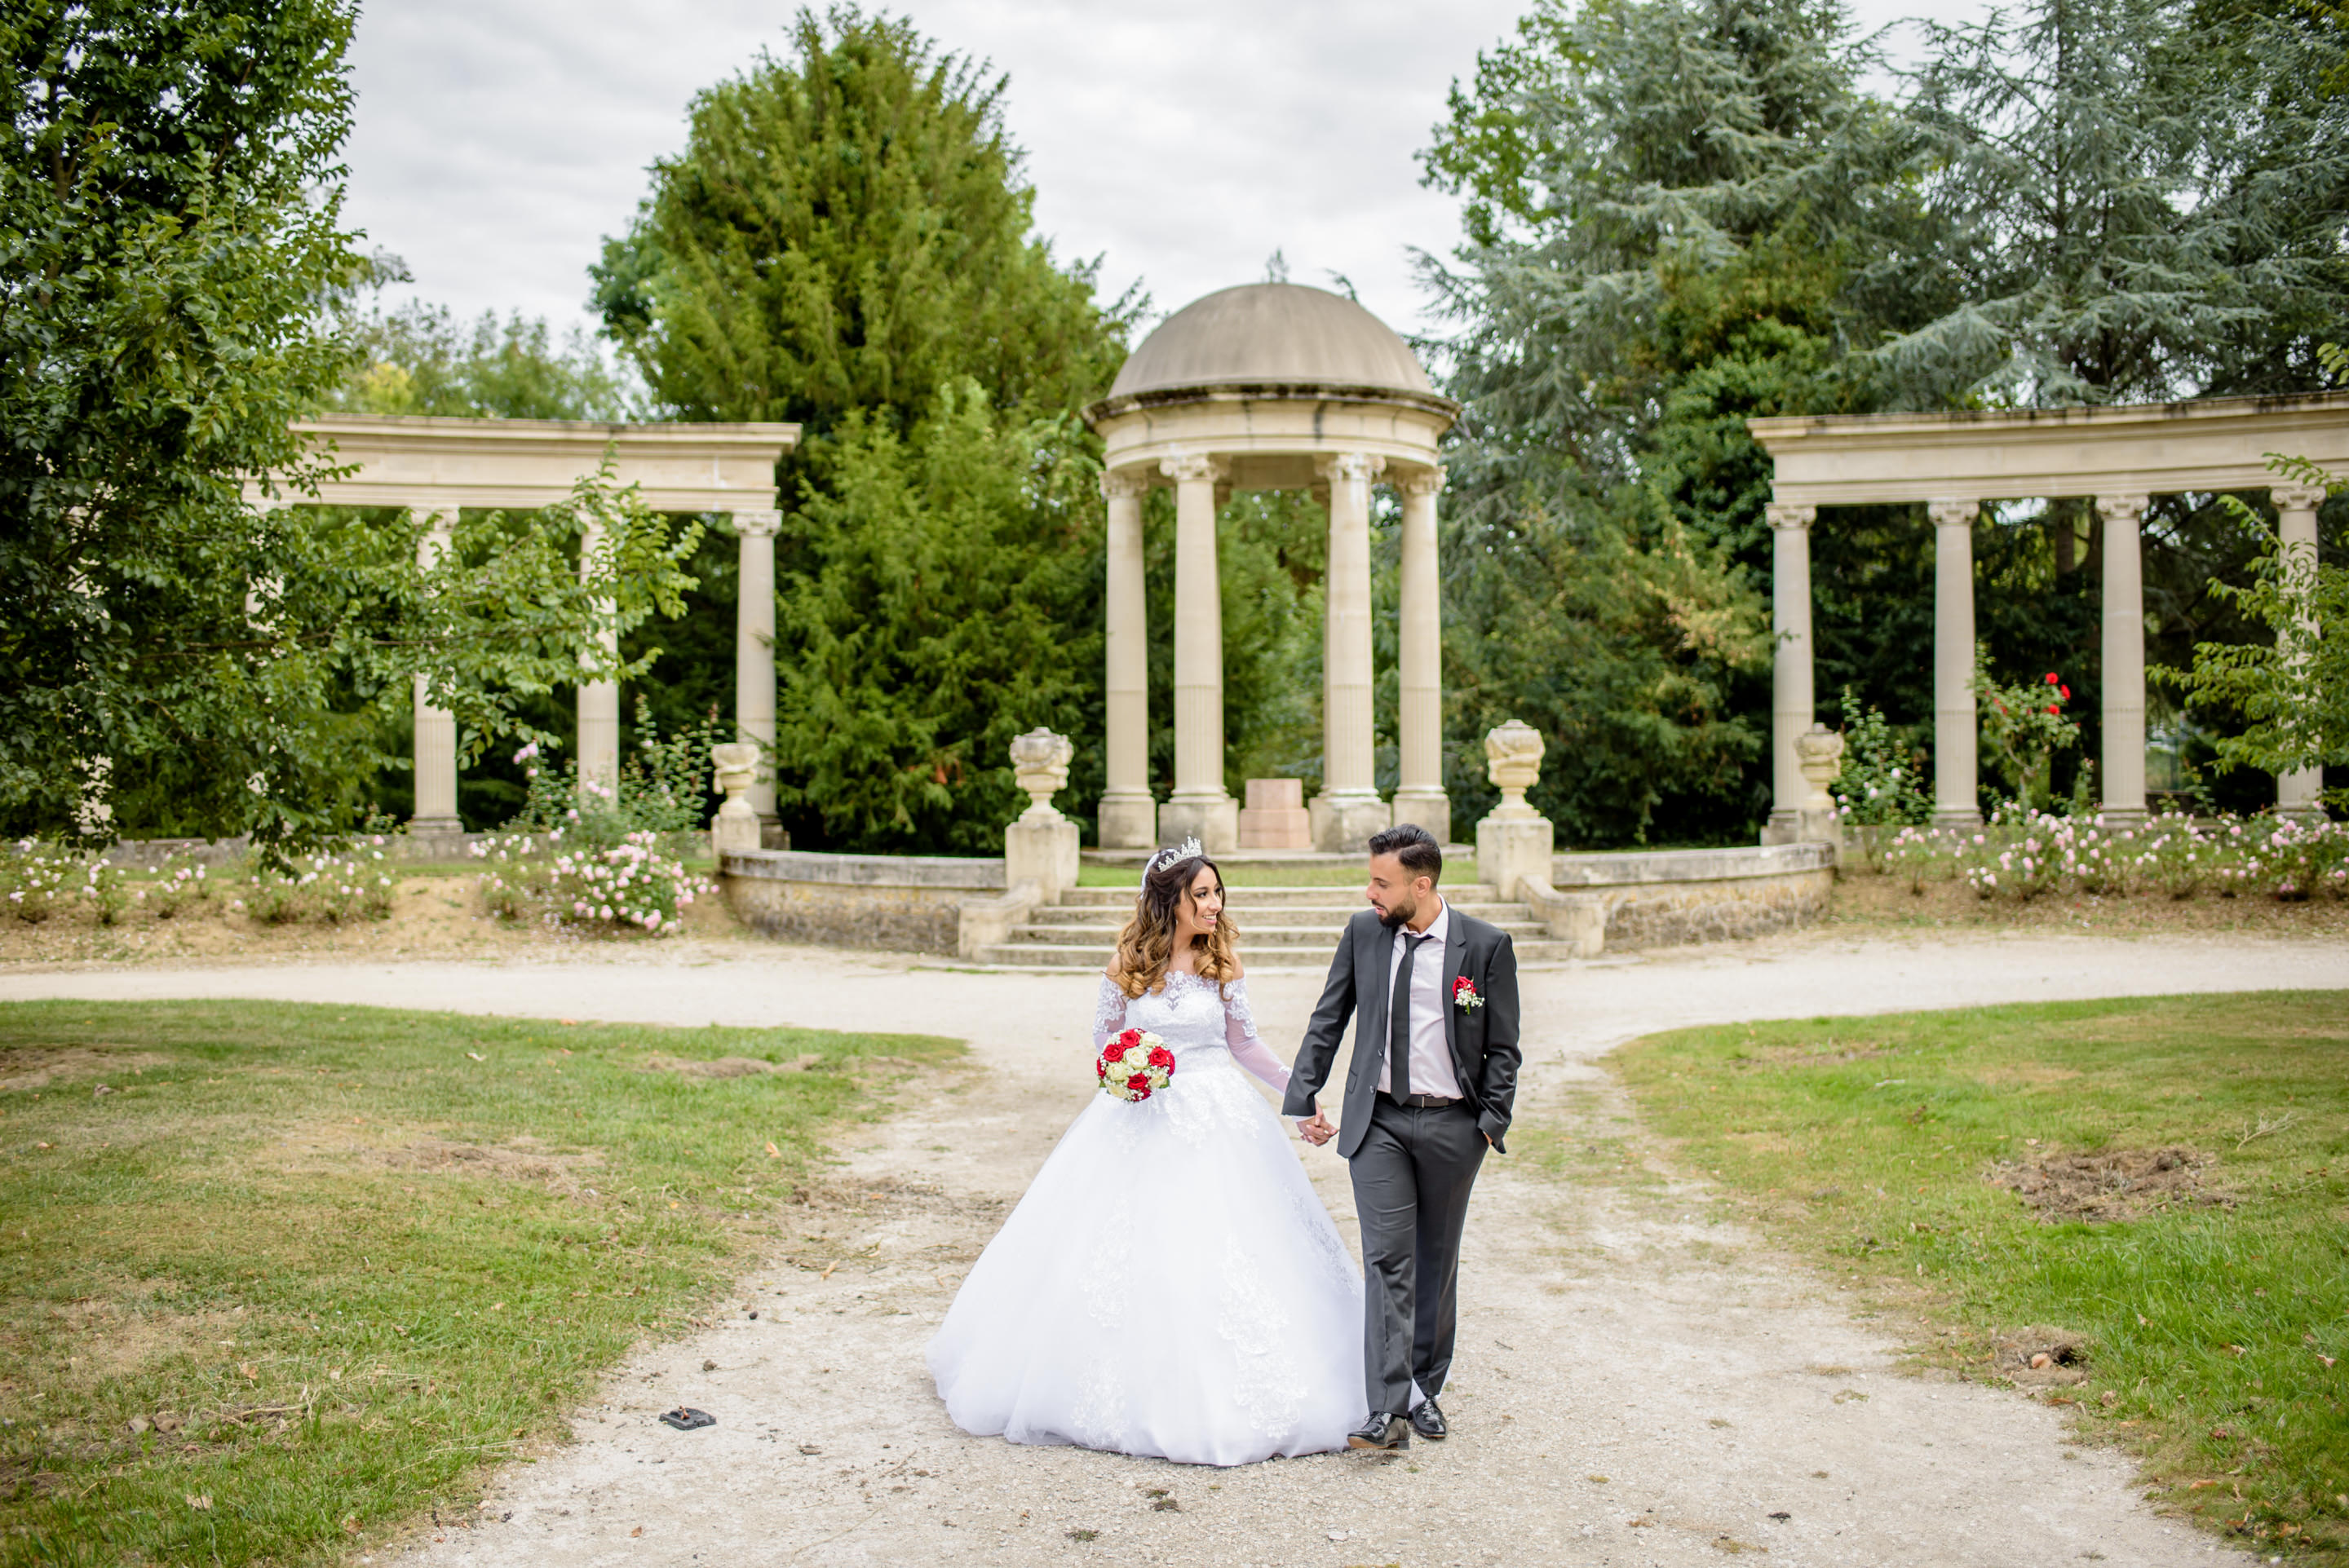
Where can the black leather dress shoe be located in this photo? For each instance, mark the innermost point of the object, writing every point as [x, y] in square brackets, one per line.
[1381, 1431]
[1428, 1421]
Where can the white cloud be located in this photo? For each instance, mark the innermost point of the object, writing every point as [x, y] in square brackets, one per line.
[499, 140]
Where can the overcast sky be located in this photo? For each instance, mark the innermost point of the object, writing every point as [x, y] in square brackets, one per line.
[499, 140]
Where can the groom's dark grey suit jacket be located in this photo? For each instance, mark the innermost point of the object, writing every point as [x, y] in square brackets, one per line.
[1483, 1039]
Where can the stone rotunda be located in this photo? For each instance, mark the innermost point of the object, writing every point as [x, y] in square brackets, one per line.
[1272, 386]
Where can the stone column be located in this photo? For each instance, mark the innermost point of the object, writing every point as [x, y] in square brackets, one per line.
[1201, 807]
[754, 654]
[1419, 794]
[1348, 810]
[1792, 703]
[599, 701]
[2297, 792]
[1957, 800]
[2123, 761]
[1129, 817]
[436, 728]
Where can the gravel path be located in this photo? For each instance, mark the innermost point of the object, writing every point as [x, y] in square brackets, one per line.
[1634, 1385]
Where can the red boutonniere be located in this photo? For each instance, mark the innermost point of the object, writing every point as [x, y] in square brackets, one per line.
[1464, 994]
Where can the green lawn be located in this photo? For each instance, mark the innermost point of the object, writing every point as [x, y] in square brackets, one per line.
[303, 1270]
[2215, 1323]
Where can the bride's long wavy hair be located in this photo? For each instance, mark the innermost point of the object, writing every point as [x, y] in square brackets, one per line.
[1146, 946]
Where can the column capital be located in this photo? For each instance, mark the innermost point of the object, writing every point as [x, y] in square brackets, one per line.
[758, 525]
[1123, 484]
[1420, 482]
[1953, 511]
[2297, 497]
[2128, 509]
[1790, 514]
[1350, 466]
[1193, 467]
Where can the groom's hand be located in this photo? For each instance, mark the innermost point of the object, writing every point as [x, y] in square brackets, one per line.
[1316, 1129]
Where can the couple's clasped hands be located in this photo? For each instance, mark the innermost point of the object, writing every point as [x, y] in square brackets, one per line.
[1317, 1130]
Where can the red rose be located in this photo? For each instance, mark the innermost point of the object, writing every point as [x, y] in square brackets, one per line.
[2066, 691]
[2054, 709]
[1139, 1082]
[1160, 1057]
[2051, 679]
[1131, 1038]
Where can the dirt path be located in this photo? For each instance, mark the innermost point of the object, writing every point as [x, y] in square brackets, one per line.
[1608, 1331]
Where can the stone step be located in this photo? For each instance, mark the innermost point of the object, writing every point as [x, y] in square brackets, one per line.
[1253, 938]
[1476, 900]
[1069, 955]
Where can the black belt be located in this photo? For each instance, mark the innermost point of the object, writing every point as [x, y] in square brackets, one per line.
[1420, 1101]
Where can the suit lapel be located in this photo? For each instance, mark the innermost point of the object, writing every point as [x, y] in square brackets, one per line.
[1377, 957]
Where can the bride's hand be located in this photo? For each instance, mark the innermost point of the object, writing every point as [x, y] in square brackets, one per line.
[1316, 1129]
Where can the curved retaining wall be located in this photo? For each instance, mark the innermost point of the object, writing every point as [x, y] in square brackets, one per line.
[1656, 898]
[906, 903]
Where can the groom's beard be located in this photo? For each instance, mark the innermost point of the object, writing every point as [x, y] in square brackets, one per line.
[1398, 916]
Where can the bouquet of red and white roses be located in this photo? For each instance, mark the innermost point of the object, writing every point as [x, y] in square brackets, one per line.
[1134, 1065]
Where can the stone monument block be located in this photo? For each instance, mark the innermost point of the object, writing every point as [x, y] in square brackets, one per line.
[735, 827]
[1275, 816]
[1041, 846]
[1514, 844]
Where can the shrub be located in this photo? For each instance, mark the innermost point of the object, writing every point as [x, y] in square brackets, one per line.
[1883, 778]
[632, 886]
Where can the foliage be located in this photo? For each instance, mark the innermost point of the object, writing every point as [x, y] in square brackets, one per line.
[846, 232]
[574, 882]
[418, 359]
[2023, 726]
[2144, 199]
[1883, 778]
[467, 1295]
[2023, 854]
[1881, 1150]
[172, 656]
[2293, 687]
[659, 789]
[938, 594]
[333, 886]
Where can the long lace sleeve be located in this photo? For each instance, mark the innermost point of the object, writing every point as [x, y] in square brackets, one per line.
[1248, 1049]
[1109, 1012]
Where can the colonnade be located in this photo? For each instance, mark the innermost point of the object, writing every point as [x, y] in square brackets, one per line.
[1956, 769]
[1349, 808]
[598, 702]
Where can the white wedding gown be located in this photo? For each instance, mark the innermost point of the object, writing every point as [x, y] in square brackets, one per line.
[1170, 1285]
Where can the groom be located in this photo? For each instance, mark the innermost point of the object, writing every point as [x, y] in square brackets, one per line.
[1434, 1076]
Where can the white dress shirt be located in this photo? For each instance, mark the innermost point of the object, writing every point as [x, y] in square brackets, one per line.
[1431, 1053]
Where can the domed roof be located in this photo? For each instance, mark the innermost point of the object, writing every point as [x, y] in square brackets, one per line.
[1278, 333]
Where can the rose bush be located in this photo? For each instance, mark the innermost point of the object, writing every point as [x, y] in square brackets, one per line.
[2024, 854]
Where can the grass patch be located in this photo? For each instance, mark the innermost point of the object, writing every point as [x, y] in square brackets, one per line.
[2208, 1326]
[300, 1271]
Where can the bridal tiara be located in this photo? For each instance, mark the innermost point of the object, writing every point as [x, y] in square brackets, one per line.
[1188, 850]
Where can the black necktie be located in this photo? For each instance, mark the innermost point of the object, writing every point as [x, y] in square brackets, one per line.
[1399, 1022]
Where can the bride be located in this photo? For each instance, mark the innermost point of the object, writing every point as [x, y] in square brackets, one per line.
[1170, 1285]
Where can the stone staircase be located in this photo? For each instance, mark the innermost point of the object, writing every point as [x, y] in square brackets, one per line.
[1280, 927]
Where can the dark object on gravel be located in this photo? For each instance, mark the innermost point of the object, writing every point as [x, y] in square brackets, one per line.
[685, 1419]
[2113, 1184]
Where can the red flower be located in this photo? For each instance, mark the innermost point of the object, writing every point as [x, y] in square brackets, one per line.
[1160, 1057]
[1131, 1038]
[2054, 709]
[1139, 1083]
[2066, 691]
[2051, 679]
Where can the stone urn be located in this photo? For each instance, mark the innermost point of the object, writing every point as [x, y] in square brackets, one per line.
[735, 828]
[1040, 764]
[1514, 841]
[1040, 847]
[1818, 752]
[1513, 754]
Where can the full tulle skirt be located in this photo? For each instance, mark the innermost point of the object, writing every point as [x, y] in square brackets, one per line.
[1170, 1285]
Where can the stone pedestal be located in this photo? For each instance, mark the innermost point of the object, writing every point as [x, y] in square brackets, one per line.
[1128, 822]
[1275, 816]
[1040, 847]
[736, 829]
[1821, 752]
[1214, 821]
[1514, 844]
[1430, 809]
[1344, 823]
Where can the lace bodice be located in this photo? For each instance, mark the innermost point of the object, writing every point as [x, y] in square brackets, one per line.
[1191, 1015]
